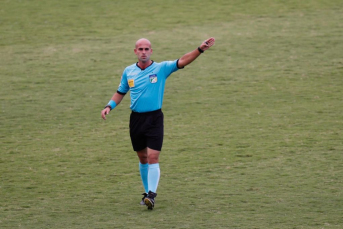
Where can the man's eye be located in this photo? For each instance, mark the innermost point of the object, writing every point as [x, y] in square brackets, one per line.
[147, 49]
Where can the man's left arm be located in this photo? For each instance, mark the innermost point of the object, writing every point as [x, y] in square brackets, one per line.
[191, 56]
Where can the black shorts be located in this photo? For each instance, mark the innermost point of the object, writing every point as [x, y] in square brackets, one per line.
[146, 130]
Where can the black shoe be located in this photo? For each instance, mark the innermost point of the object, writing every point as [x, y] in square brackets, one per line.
[150, 200]
[144, 196]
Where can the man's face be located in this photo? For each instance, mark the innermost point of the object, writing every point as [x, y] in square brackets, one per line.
[143, 50]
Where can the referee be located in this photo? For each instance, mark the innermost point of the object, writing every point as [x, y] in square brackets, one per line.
[146, 80]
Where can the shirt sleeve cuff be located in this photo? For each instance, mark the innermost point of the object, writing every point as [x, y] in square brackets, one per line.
[121, 93]
[177, 64]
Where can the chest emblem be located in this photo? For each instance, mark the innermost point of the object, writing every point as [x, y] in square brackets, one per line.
[153, 78]
[131, 82]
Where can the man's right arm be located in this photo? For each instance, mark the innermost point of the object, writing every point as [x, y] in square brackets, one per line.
[117, 98]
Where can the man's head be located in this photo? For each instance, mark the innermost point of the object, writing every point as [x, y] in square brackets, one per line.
[143, 50]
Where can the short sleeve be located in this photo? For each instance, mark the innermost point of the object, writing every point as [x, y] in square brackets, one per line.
[123, 86]
[170, 67]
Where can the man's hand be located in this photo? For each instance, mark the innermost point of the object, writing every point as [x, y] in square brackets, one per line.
[207, 44]
[105, 112]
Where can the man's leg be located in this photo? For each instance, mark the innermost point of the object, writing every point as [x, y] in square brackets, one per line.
[144, 170]
[154, 169]
[149, 168]
[153, 177]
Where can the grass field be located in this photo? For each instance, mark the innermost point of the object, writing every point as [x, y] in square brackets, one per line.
[253, 128]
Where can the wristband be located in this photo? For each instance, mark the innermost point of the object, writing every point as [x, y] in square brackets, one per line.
[200, 50]
[111, 104]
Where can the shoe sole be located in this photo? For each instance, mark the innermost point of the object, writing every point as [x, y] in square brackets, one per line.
[148, 203]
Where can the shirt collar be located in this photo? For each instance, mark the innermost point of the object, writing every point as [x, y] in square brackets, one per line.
[146, 67]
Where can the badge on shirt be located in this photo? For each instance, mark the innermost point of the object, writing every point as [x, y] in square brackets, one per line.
[131, 82]
[153, 78]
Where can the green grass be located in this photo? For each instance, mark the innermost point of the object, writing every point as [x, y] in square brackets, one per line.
[253, 128]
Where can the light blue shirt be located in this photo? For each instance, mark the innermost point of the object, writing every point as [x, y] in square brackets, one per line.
[146, 86]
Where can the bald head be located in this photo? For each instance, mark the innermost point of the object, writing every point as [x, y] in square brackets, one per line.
[143, 41]
[143, 51]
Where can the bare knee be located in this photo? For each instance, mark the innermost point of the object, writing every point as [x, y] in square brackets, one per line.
[143, 156]
[153, 156]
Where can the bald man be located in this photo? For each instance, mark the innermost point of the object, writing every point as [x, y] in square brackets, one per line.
[146, 80]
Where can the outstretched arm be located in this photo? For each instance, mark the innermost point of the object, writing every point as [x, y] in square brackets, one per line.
[117, 98]
[191, 56]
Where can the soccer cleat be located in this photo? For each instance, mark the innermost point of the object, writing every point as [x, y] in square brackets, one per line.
[150, 200]
[144, 196]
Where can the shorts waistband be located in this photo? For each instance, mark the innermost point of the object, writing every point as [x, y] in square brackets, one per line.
[148, 113]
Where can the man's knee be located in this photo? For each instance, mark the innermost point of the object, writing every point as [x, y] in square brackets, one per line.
[153, 156]
[143, 156]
